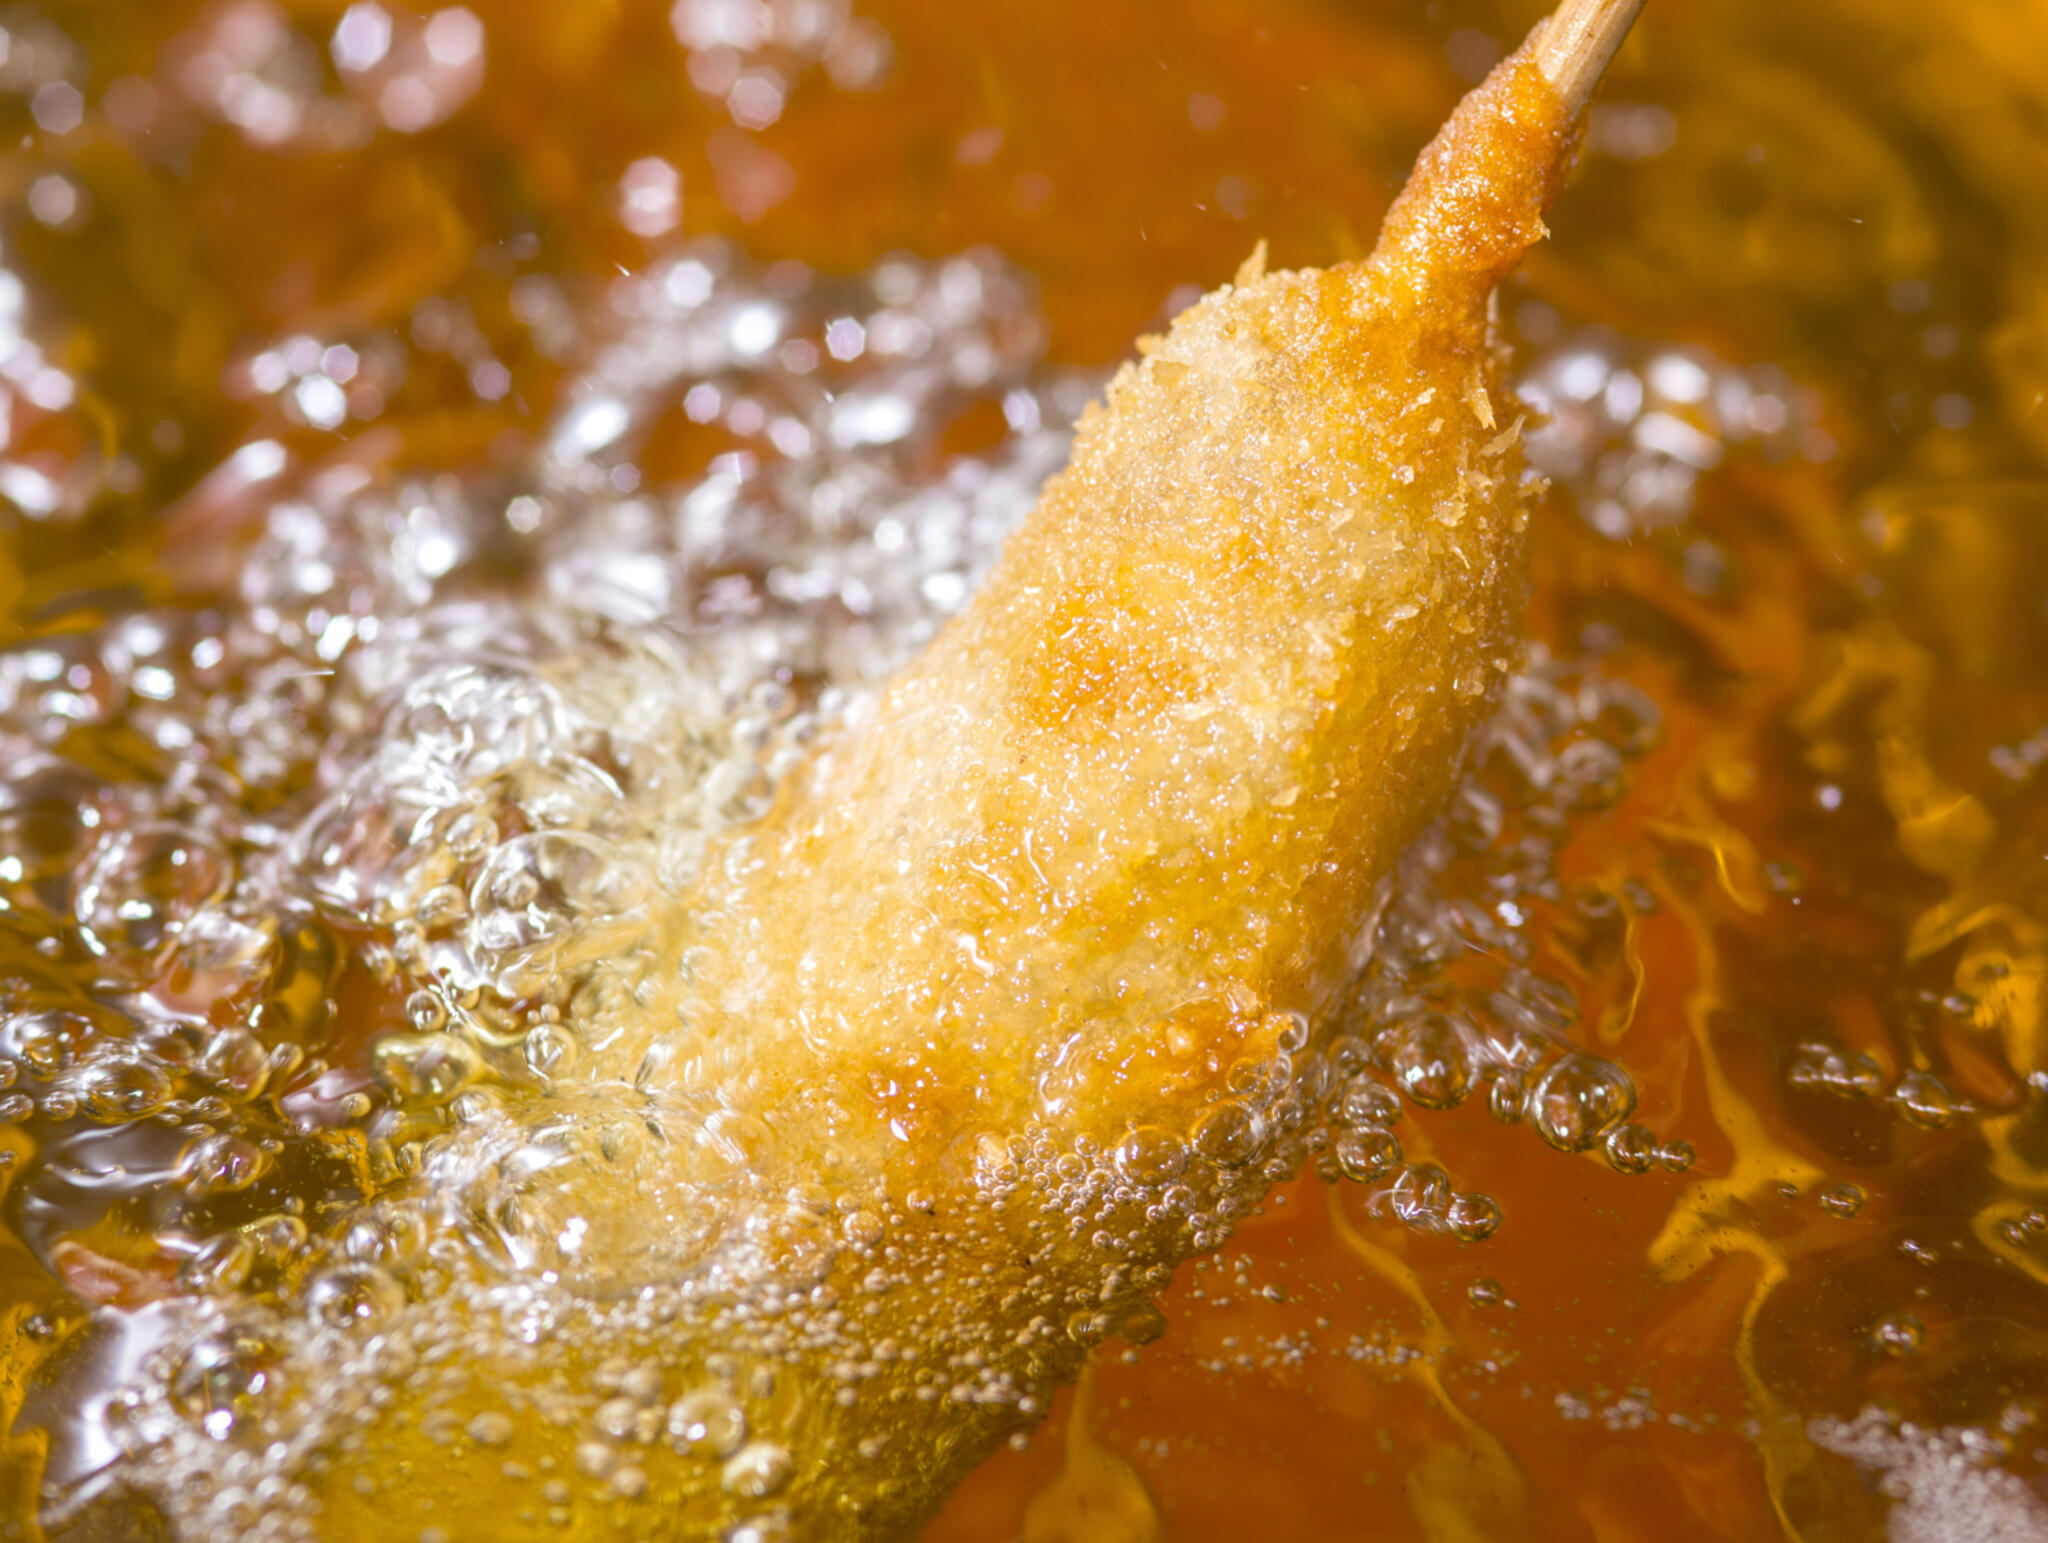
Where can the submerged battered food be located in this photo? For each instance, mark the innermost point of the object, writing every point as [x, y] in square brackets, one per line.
[987, 1024]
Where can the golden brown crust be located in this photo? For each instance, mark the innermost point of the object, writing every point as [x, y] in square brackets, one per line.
[1216, 681]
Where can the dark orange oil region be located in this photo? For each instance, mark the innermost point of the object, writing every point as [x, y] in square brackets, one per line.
[464, 468]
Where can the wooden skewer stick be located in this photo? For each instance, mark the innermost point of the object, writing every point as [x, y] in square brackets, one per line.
[1578, 40]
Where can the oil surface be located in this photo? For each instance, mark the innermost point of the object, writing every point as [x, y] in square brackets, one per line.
[455, 459]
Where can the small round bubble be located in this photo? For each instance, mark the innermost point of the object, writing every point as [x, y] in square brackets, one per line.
[1843, 1200]
[1428, 1061]
[1897, 1334]
[758, 1470]
[1367, 1154]
[1472, 1217]
[1579, 1099]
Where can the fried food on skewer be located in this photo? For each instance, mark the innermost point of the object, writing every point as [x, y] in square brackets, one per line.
[992, 1020]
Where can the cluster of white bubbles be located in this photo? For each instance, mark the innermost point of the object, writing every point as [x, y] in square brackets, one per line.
[438, 744]
[254, 67]
[1632, 427]
[1945, 1484]
[444, 744]
[41, 67]
[749, 54]
[751, 57]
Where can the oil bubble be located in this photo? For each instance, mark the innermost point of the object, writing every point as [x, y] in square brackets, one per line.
[535, 886]
[143, 884]
[1427, 1059]
[1579, 1099]
[220, 1265]
[353, 1296]
[222, 1165]
[549, 1050]
[1142, 1324]
[1591, 774]
[1367, 1154]
[236, 1063]
[1843, 1200]
[279, 1238]
[392, 1238]
[595, 1459]
[426, 1068]
[426, 1011]
[1291, 1032]
[1631, 1149]
[759, 1469]
[1088, 1326]
[218, 1380]
[472, 834]
[1817, 1067]
[44, 1042]
[1897, 1334]
[627, 1420]
[1507, 1098]
[1368, 1101]
[629, 1481]
[119, 1090]
[1151, 1155]
[1230, 1135]
[1923, 1099]
[1348, 1055]
[1675, 1156]
[1471, 1217]
[1422, 1196]
[707, 1423]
